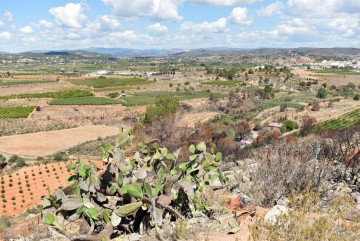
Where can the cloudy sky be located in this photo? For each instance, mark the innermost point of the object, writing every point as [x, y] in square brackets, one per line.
[143, 24]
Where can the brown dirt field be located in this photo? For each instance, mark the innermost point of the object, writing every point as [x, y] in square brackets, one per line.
[51, 142]
[33, 88]
[33, 181]
[338, 79]
[191, 119]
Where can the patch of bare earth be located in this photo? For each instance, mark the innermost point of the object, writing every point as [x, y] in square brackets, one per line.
[51, 142]
[33, 88]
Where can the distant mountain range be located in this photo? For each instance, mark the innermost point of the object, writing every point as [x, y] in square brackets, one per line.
[177, 52]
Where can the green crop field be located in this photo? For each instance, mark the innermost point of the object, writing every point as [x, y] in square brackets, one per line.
[110, 82]
[24, 82]
[55, 95]
[16, 112]
[345, 121]
[146, 98]
[89, 100]
[336, 71]
[274, 103]
[221, 82]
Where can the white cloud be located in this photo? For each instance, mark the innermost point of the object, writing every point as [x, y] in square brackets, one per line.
[5, 35]
[239, 16]
[157, 27]
[26, 30]
[108, 22]
[8, 16]
[73, 35]
[153, 9]
[127, 35]
[226, 3]
[46, 24]
[270, 10]
[71, 15]
[218, 26]
[323, 7]
[1, 23]
[295, 27]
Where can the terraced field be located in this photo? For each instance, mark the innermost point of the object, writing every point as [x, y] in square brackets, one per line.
[54, 95]
[22, 190]
[89, 100]
[50, 142]
[16, 111]
[147, 98]
[109, 82]
[347, 120]
[220, 82]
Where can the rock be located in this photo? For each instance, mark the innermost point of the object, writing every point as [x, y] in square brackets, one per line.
[246, 200]
[283, 201]
[227, 220]
[245, 179]
[357, 206]
[273, 215]
[356, 196]
[133, 237]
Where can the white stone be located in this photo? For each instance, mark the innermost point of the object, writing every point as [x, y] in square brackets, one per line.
[273, 215]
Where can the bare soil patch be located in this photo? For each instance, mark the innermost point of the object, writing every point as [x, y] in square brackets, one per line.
[51, 142]
[33, 88]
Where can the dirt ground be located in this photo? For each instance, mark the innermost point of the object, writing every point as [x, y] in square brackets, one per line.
[51, 142]
[329, 78]
[33, 88]
[191, 119]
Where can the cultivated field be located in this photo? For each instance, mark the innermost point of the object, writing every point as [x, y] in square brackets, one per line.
[48, 143]
[22, 190]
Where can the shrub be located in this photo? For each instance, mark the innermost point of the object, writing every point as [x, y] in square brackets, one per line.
[283, 107]
[316, 106]
[321, 93]
[289, 125]
[164, 106]
[307, 123]
[2, 161]
[283, 167]
[335, 222]
[5, 222]
[59, 157]
[113, 95]
[20, 162]
[243, 129]
[357, 97]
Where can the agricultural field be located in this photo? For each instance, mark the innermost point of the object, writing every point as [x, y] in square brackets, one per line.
[222, 82]
[16, 112]
[24, 82]
[91, 100]
[42, 144]
[22, 190]
[347, 120]
[109, 82]
[146, 98]
[54, 95]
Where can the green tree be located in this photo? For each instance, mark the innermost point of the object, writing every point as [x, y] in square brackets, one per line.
[164, 106]
[321, 93]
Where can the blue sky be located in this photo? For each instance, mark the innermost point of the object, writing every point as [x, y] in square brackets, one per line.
[59, 24]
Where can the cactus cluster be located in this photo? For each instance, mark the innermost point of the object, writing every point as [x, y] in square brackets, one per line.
[135, 194]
